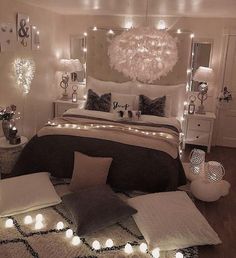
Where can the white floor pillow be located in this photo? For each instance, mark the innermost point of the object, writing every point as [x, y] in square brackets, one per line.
[171, 221]
[25, 193]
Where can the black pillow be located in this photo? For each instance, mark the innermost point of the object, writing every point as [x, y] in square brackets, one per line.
[154, 107]
[98, 103]
[95, 208]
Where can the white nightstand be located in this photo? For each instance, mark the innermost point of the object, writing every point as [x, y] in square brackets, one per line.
[9, 154]
[198, 129]
[61, 106]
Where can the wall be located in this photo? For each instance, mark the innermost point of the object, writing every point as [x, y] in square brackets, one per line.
[36, 108]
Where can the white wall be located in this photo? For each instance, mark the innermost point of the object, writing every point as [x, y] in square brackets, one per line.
[36, 107]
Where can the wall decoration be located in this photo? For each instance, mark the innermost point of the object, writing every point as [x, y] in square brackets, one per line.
[35, 40]
[23, 30]
[7, 37]
[24, 72]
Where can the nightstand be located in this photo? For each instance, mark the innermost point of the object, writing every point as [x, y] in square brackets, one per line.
[61, 106]
[9, 154]
[198, 129]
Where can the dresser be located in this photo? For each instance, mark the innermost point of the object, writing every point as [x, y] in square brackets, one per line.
[198, 129]
[61, 106]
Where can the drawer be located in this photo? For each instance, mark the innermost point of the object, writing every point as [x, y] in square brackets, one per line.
[199, 125]
[197, 137]
[62, 108]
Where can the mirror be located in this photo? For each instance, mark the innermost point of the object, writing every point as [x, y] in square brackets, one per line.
[202, 51]
[78, 51]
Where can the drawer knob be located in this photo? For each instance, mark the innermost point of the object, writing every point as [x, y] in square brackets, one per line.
[198, 125]
[197, 137]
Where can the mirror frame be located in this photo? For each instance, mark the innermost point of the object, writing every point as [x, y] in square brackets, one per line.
[209, 41]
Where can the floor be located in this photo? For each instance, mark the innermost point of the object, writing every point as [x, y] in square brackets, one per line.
[221, 214]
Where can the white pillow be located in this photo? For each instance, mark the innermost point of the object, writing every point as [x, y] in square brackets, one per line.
[122, 102]
[170, 220]
[102, 87]
[26, 193]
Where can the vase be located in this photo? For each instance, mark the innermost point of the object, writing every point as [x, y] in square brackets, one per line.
[6, 127]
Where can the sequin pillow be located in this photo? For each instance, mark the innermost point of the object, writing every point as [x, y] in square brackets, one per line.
[153, 107]
[98, 103]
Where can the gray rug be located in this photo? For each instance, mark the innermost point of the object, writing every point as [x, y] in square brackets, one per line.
[24, 241]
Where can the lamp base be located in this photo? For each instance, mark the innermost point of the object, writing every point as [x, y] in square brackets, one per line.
[65, 96]
[201, 110]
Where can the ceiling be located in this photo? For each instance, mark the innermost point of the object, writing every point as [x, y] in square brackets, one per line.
[180, 8]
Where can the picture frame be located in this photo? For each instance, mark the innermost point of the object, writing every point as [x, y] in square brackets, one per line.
[7, 37]
[23, 30]
[35, 38]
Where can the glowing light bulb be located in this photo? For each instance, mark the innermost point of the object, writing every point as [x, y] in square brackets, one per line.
[95, 28]
[85, 34]
[110, 32]
[185, 103]
[143, 247]
[9, 223]
[128, 248]
[179, 255]
[69, 233]
[75, 240]
[161, 25]
[39, 217]
[85, 49]
[109, 243]
[38, 224]
[60, 225]
[96, 245]
[192, 35]
[179, 31]
[156, 252]
[28, 219]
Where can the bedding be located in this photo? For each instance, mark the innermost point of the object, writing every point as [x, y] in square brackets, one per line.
[25, 241]
[145, 153]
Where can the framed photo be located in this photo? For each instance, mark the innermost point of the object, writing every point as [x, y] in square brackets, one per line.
[23, 30]
[35, 38]
[7, 37]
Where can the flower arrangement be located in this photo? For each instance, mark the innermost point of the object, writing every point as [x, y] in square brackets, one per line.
[7, 113]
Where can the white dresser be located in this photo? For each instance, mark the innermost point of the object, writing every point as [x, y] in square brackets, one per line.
[61, 106]
[198, 129]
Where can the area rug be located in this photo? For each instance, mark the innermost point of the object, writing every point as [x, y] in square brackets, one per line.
[25, 241]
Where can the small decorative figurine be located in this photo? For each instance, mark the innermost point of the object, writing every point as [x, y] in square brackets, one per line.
[225, 95]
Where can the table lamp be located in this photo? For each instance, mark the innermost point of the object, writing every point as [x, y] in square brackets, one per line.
[203, 75]
[67, 66]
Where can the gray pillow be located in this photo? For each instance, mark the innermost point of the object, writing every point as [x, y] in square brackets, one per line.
[154, 107]
[95, 208]
[98, 103]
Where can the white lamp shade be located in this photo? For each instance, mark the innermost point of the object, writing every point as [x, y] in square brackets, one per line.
[69, 65]
[204, 74]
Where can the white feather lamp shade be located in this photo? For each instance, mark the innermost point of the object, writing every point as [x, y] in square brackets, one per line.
[69, 65]
[203, 74]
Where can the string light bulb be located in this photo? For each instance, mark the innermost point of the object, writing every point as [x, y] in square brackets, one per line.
[69, 233]
[109, 243]
[156, 252]
[143, 247]
[39, 217]
[179, 255]
[60, 225]
[128, 248]
[9, 223]
[28, 219]
[96, 245]
[75, 240]
[38, 225]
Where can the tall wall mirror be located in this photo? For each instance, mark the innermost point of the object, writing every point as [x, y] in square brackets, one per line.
[202, 52]
[78, 50]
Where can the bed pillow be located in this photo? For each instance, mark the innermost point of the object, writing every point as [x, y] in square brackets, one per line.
[89, 171]
[154, 107]
[122, 102]
[26, 193]
[98, 103]
[170, 220]
[95, 208]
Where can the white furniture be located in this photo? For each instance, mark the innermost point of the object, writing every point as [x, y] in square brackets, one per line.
[198, 129]
[9, 154]
[61, 106]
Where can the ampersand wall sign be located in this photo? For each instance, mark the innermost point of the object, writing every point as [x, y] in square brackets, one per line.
[23, 30]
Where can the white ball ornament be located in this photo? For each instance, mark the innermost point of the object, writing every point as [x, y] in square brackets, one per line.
[39, 217]
[69, 233]
[143, 247]
[28, 219]
[179, 255]
[9, 223]
[109, 243]
[75, 240]
[156, 252]
[128, 248]
[96, 245]
[60, 225]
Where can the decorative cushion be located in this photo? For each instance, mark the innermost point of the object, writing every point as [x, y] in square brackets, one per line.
[89, 171]
[122, 102]
[170, 220]
[99, 103]
[95, 208]
[155, 107]
[26, 193]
